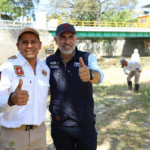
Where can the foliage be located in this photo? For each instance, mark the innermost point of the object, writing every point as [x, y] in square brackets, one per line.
[56, 16]
[4, 5]
[91, 10]
[119, 16]
[12, 9]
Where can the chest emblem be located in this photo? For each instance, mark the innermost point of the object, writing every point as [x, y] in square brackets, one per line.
[44, 73]
[54, 64]
[19, 71]
[77, 64]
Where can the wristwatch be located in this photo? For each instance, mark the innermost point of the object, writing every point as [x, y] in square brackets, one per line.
[91, 74]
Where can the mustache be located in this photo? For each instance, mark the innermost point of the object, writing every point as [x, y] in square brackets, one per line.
[67, 44]
[30, 50]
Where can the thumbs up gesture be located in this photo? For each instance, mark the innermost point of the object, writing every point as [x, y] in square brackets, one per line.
[20, 97]
[84, 72]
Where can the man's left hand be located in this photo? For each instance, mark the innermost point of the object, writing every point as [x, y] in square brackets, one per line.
[84, 72]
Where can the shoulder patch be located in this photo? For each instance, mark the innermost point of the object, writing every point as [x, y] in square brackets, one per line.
[19, 71]
[44, 73]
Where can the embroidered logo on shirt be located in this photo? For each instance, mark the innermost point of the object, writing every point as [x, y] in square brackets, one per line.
[19, 70]
[0, 75]
[77, 64]
[54, 64]
[11, 144]
[44, 73]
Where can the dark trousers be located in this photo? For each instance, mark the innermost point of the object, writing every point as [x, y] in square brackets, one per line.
[74, 138]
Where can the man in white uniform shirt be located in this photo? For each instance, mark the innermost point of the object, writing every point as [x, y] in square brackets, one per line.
[24, 84]
[135, 70]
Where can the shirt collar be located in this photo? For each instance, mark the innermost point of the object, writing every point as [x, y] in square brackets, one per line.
[22, 60]
[39, 62]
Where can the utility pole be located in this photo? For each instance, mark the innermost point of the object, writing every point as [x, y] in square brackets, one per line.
[142, 9]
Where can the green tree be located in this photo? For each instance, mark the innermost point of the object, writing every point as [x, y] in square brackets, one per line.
[57, 16]
[4, 5]
[90, 10]
[119, 16]
[12, 9]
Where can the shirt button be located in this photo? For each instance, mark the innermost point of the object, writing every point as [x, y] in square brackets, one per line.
[68, 71]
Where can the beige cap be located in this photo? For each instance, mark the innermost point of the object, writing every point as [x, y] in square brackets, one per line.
[28, 30]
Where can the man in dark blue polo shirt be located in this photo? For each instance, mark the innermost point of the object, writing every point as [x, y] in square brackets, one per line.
[72, 104]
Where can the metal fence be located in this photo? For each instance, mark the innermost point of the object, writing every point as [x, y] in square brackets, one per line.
[106, 24]
[4, 24]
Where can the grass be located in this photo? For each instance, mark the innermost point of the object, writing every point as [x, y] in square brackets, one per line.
[124, 127]
[125, 123]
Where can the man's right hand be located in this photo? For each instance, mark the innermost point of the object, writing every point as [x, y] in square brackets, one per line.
[84, 72]
[20, 97]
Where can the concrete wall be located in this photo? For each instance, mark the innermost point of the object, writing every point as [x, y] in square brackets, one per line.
[8, 39]
[131, 44]
[116, 47]
[100, 47]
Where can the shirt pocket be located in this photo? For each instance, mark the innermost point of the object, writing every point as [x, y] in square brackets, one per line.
[27, 87]
[56, 110]
[55, 107]
[43, 91]
[84, 108]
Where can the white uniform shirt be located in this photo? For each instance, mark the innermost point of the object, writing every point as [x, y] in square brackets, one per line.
[132, 66]
[37, 86]
[136, 58]
[93, 65]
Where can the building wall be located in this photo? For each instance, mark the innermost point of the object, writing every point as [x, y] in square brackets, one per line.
[144, 21]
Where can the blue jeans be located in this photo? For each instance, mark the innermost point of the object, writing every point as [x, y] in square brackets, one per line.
[74, 138]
